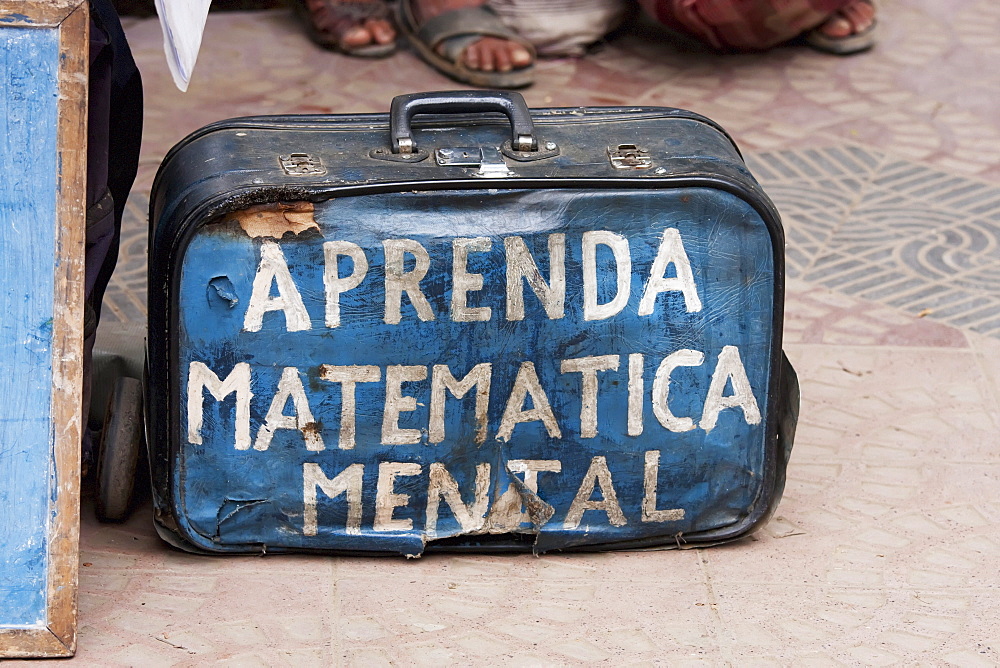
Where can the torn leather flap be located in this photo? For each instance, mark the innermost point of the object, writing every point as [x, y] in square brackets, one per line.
[516, 506]
[275, 219]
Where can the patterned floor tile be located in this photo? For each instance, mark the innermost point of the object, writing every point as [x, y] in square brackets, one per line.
[848, 625]
[989, 366]
[890, 231]
[893, 397]
[561, 622]
[814, 314]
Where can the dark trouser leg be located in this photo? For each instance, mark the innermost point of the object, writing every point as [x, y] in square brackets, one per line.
[114, 131]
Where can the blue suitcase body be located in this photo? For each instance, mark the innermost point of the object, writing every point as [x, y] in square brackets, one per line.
[449, 329]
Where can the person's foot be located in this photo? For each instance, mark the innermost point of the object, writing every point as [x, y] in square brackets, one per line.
[850, 29]
[487, 54]
[853, 19]
[357, 27]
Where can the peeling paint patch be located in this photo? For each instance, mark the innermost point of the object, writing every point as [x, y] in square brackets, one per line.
[275, 219]
[222, 288]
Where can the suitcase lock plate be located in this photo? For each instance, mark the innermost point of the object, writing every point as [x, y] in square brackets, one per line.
[629, 156]
[302, 164]
[489, 160]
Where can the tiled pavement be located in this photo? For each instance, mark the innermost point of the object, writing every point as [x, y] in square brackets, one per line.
[885, 550]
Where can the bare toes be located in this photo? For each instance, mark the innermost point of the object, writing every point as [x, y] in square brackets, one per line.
[494, 54]
[355, 37]
[836, 26]
[860, 15]
[520, 56]
[485, 59]
[381, 31]
[473, 57]
[501, 57]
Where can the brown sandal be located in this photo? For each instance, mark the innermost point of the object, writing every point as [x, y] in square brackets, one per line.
[328, 21]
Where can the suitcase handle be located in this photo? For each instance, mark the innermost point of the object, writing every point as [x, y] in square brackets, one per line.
[511, 104]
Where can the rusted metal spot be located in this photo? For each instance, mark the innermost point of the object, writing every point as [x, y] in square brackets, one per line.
[312, 428]
[275, 219]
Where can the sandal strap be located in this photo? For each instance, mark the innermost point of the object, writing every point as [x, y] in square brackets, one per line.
[458, 28]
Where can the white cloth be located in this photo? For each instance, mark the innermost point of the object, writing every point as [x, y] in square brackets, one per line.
[560, 27]
[183, 23]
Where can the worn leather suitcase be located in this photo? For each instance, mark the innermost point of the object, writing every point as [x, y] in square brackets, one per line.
[464, 325]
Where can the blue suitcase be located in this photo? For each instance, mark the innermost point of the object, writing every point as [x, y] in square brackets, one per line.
[464, 325]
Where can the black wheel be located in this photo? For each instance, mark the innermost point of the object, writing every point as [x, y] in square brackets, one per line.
[118, 452]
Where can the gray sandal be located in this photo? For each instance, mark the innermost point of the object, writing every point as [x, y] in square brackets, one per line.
[456, 30]
[842, 46]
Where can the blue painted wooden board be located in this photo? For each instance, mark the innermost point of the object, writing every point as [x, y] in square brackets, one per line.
[28, 59]
[626, 419]
[42, 167]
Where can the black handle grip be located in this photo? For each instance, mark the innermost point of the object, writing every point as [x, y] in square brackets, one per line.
[511, 104]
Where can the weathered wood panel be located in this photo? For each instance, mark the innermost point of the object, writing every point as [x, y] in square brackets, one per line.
[43, 67]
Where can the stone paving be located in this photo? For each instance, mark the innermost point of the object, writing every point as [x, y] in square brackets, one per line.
[885, 549]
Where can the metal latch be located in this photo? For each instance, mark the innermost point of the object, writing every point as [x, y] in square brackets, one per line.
[302, 164]
[489, 160]
[629, 156]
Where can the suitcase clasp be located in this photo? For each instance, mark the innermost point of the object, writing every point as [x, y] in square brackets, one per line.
[488, 159]
[629, 156]
[302, 164]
